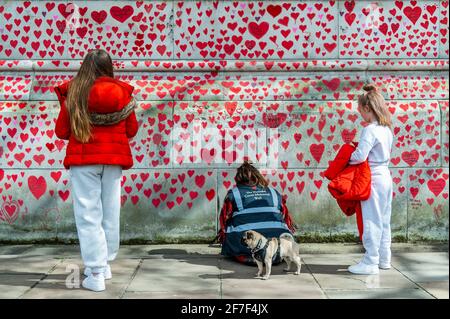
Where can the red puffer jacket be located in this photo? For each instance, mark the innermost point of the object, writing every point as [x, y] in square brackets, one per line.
[350, 184]
[109, 144]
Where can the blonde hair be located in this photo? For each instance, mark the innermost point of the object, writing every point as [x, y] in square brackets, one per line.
[96, 63]
[376, 103]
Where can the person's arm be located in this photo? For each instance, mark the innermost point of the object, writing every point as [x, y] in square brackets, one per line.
[62, 127]
[366, 143]
[131, 125]
[286, 216]
[61, 92]
[225, 213]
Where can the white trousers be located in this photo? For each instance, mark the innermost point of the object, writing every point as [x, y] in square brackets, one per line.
[376, 212]
[96, 203]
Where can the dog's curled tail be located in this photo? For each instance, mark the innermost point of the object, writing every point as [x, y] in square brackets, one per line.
[288, 236]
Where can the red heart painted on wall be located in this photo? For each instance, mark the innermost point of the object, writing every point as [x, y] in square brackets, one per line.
[414, 191]
[258, 30]
[200, 180]
[99, 16]
[410, 158]
[273, 120]
[350, 17]
[121, 14]
[37, 186]
[317, 151]
[436, 186]
[413, 14]
[66, 10]
[333, 84]
[210, 194]
[64, 194]
[274, 10]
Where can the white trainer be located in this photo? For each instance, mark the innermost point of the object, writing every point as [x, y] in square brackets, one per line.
[94, 282]
[363, 269]
[384, 266]
[107, 273]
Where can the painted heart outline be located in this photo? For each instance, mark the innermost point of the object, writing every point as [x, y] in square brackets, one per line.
[9, 211]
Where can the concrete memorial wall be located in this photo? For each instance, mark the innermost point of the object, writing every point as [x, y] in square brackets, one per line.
[218, 82]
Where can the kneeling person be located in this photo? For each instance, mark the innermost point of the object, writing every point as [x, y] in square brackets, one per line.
[251, 205]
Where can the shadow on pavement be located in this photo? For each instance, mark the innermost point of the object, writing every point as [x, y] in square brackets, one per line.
[229, 268]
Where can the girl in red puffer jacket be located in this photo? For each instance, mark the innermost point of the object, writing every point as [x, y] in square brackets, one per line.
[97, 117]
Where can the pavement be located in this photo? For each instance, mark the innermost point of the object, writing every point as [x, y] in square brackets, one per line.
[198, 271]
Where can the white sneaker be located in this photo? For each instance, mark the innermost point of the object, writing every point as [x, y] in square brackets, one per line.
[94, 283]
[107, 273]
[363, 269]
[384, 266]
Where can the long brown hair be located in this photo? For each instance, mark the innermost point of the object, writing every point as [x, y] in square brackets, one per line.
[247, 174]
[374, 100]
[96, 63]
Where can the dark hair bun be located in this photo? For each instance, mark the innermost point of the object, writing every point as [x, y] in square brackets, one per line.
[370, 88]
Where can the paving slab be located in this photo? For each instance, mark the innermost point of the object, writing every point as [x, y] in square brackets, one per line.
[238, 281]
[422, 267]
[420, 260]
[53, 250]
[177, 276]
[58, 284]
[347, 280]
[439, 289]
[199, 272]
[12, 286]
[23, 265]
[426, 274]
[333, 274]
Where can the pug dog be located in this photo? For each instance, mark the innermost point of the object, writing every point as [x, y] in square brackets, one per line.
[264, 249]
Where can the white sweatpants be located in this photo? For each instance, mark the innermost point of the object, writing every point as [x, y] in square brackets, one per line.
[96, 203]
[376, 212]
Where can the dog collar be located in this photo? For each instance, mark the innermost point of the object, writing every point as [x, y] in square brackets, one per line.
[260, 253]
[257, 246]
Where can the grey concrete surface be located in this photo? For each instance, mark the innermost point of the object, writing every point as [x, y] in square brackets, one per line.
[199, 271]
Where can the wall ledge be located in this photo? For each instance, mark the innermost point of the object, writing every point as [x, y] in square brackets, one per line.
[233, 65]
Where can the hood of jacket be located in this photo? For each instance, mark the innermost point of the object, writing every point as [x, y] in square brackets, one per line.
[106, 95]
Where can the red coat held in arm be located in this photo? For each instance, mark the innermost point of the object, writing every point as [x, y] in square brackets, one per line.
[109, 144]
[350, 184]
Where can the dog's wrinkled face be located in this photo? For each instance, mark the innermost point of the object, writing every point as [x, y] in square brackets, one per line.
[250, 239]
